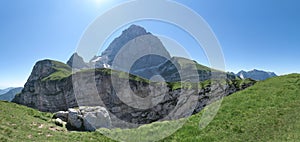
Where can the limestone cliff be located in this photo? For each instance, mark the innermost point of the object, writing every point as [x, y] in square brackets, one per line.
[51, 88]
[48, 88]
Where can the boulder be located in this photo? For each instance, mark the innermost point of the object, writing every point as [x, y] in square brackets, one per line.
[84, 119]
[75, 119]
[95, 118]
[63, 115]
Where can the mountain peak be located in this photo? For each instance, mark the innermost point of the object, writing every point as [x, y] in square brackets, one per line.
[135, 30]
[76, 62]
[132, 32]
[127, 35]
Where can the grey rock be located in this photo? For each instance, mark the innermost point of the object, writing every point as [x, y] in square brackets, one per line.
[47, 95]
[95, 118]
[127, 35]
[63, 115]
[140, 56]
[88, 118]
[75, 119]
[136, 114]
[77, 62]
[116, 109]
[126, 49]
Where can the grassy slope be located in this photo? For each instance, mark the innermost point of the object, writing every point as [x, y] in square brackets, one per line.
[62, 70]
[184, 63]
[19, 123]
[268, 111]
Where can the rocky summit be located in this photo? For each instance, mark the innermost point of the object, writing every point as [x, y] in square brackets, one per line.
[135, 51]
[77, 62]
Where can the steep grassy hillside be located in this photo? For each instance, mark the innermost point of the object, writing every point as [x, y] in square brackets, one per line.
[19, 123]
[267, 111]
[62, 70]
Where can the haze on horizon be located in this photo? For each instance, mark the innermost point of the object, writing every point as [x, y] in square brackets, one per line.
[253, 34]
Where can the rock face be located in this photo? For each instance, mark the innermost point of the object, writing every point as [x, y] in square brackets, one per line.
[85, 118]
[45, 91]
[126, 97]
[129, 34]
[8, 96]
[95, 117]
[135, 51]
[130, 99]
[256, 74]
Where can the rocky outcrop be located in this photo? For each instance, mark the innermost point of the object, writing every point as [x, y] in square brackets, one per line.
[130, 100]
[256, 74]
[48, 88]
[85, 118]
[126, 97]
[77, 62]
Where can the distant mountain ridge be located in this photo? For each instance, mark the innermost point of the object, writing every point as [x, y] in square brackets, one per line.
[8, 96]
[256, 74]
[3, 91]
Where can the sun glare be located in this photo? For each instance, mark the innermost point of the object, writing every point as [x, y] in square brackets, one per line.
[99, 2]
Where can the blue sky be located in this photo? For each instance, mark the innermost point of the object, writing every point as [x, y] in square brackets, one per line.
[261, 34]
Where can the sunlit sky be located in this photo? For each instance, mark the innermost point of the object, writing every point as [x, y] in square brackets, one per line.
[254, 34]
